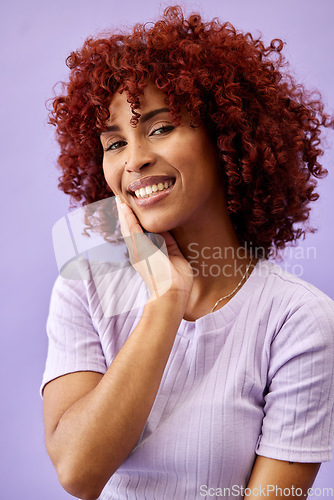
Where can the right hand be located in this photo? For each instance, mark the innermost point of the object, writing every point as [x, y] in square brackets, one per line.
[160, 273]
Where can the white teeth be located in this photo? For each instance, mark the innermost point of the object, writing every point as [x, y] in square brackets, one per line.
[148, 190]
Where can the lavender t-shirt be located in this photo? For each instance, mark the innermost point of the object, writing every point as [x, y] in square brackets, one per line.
[254, 377]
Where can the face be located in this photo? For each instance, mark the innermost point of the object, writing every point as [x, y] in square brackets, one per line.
[167, 174]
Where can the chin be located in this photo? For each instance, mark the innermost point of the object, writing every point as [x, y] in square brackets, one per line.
[156, 226]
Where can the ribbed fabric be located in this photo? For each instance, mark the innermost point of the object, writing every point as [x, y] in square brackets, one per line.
[254, 377]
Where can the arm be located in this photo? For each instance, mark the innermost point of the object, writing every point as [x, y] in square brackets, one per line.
[92, 422]
[89, 435]
[280, 479]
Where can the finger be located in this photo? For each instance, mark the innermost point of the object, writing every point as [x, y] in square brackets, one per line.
[138, 239]
[138, 244]
[144, 255]
[172, 246]
[140, 247]
[131, 219]
[121, 217]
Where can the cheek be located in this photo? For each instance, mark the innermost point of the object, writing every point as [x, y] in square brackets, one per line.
[198, 147]
[110, 177]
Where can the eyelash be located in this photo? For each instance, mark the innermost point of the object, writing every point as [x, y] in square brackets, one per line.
[164, 128]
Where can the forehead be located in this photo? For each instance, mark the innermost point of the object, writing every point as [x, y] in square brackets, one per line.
[151, 98]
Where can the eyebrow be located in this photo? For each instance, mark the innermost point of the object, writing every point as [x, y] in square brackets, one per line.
[143, 118]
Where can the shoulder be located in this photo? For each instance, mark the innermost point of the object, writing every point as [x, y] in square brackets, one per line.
[302, 315]
[299, 353]
[276, 285]
[282, 303]
[103, 289]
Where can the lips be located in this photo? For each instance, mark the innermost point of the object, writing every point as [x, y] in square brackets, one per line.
[148, 181]
[150, 190]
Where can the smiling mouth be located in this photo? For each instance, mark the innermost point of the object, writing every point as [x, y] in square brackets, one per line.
[154, 188]
[150, 186]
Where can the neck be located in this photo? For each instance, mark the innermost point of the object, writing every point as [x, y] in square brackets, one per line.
[217, 259]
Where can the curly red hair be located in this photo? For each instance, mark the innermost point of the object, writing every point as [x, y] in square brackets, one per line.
[266, 127]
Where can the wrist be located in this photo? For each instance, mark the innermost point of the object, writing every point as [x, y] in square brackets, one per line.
[171, 302]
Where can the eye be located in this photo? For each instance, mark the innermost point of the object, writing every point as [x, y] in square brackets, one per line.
[162, 129]
[115, 145]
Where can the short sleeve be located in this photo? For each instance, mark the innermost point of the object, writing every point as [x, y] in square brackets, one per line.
[73, 343]
[298, 423]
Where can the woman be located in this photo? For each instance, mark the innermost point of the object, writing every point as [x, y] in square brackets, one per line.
[224, 378]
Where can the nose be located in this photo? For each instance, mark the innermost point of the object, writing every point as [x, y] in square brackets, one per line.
[138, 157]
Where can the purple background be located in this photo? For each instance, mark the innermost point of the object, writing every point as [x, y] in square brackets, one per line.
[36, 37]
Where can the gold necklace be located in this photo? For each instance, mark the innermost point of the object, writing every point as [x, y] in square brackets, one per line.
[236, 288]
